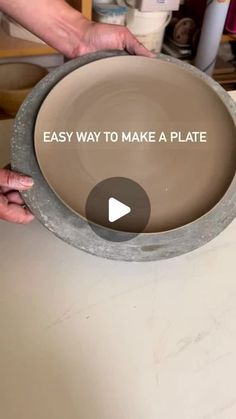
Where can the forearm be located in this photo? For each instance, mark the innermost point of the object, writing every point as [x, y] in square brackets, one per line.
[65, 29]
[54, 21]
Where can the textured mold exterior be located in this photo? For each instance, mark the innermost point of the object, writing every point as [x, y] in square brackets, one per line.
[74, 229]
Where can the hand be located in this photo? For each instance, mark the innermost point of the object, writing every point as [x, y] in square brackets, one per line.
[12, 206]
[100, 36]
[65, 29]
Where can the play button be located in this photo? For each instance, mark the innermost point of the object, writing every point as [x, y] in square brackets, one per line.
[119, 204]
[117, 210]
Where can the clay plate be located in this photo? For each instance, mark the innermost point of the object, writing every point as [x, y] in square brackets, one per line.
[169, 88]
[183, 180]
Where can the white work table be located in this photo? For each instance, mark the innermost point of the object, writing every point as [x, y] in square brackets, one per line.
[86, 338]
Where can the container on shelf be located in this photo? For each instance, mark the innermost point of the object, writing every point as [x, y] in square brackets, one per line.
[157, 5]
[130, 3]
[95, 2]
[148, 27]
[110, 13]
[16, 82]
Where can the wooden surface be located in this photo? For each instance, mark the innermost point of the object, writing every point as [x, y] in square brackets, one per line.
[226, 78]
[14, 47]
[228, 37]
[85, 6]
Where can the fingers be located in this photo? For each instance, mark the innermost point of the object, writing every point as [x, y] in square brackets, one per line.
[14, 198]
[11, 204]
[133, 46]
[13, 180]
[13, 212]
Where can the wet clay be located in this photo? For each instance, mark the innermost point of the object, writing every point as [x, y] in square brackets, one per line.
[183, 180]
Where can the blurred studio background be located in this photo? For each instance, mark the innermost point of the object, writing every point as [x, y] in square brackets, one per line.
[201, 32]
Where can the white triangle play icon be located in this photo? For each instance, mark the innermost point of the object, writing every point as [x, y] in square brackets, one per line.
[117, 210]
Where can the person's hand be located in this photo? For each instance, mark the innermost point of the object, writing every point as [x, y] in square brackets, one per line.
[67, 30]
[100, 36]
[12, 206]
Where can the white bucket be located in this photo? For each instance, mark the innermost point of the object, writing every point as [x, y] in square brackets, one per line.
[101, 2]
[148, 27]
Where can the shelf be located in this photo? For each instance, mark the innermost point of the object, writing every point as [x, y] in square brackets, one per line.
[226, 78]
[228, 38]
[11, 47]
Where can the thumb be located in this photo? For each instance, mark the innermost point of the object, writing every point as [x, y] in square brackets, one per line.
[133, 46]
[15, 180]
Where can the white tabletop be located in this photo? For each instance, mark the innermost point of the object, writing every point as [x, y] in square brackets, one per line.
[86, 338]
